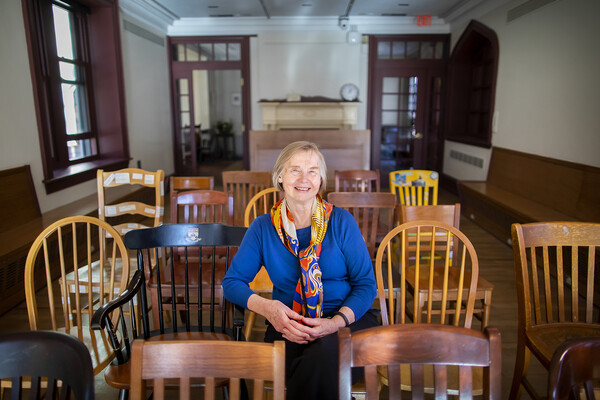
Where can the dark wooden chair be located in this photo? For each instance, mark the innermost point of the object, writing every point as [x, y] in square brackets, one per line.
[557, 269]
[422, 347]
[202, 206]
[244, 185]
[36, 361]
[178, 184]
[357, 180]
[182, 309]
[575, 368]
[373, 212]
[155, 362]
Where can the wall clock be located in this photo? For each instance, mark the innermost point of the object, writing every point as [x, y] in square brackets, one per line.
[349, 92]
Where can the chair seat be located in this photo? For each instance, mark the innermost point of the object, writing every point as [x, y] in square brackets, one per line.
[118, 376]
[97, 343]
[545, 339]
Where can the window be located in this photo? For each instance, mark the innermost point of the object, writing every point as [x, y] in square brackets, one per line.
[72, 47]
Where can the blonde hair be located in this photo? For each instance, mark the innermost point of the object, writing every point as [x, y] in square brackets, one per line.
[288, 152]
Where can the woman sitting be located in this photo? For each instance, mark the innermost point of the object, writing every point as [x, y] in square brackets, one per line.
[321, 271]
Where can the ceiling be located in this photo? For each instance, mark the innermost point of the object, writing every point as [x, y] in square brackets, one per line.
[213, 17]
[307, 8]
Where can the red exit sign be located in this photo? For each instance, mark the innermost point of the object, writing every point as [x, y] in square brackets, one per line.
[423, 20]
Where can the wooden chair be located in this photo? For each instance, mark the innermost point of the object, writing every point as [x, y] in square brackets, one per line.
[59, 293]
[261, 203]
[179, 184]
[46, 364]
[556, 265]
[413, 287]
[182, 309]
[415, 187]
[370, 209]
[450, 214]
[244, 185]
[422, 348]
[575, 369]
[156, 362]
[202, 206]
[142, 215]
[357, 180]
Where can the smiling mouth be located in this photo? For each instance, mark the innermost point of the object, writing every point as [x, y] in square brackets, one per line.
[302, 189]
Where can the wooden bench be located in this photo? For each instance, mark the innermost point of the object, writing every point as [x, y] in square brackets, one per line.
[21, 222]
[524, 188]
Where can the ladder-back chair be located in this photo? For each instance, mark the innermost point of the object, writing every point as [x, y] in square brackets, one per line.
[244, 185]
[558, 290]
[59, 293]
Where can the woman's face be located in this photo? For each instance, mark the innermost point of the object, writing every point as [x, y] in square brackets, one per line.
[300, 178]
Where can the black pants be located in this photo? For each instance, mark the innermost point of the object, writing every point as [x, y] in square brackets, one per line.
[312, 369]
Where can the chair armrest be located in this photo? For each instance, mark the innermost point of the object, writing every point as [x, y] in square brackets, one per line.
[99, 318]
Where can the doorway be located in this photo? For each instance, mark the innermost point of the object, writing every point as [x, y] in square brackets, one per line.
[405, 102]
[210, 98]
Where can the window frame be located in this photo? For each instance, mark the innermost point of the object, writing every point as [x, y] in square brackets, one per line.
[97, 19]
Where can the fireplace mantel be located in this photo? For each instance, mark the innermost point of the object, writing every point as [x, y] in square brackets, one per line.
[308, 115]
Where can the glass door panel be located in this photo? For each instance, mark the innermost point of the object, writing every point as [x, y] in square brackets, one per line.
[185, 127]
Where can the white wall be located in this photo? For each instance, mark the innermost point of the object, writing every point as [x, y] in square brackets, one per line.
[548, 84]
[308, 64]
[148, 98]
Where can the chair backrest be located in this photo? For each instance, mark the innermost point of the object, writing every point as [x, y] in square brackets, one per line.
[261, 203]
[446, 213]
[27, 357]
[421, 346]
[155, 361]
[141, 214]
[202, 206]
[575, 368]
[357, 180]
[557, 269]
[415, 187]
[52, 264]
[201, 306]
[179, 184]
[244, 185]
[369, 210]
[432, 261]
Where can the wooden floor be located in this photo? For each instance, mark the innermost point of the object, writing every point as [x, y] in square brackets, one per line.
[496, 265]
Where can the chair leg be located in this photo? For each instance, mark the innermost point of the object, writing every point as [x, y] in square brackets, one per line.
[123, 394]
[521, 368]
[249, 325]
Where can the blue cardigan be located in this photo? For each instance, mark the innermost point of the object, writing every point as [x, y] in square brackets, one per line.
[347, 269]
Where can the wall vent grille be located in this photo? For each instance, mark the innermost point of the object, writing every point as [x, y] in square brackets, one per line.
[467, 158]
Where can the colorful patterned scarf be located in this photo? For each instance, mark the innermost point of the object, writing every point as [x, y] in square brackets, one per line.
[308, 299]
